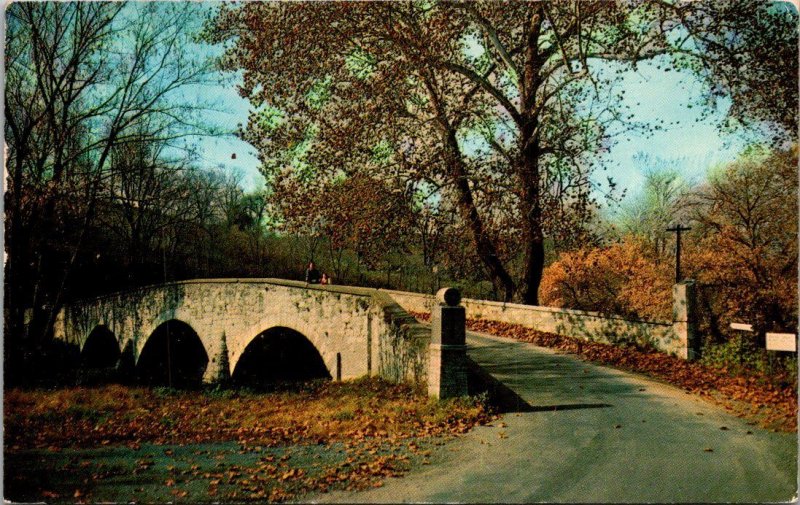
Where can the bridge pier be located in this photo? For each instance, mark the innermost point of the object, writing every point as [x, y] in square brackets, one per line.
[447, 365]
[218, 370]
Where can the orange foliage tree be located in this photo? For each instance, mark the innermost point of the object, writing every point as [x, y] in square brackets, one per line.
[746, 219]
[742, 251]
[620, 279]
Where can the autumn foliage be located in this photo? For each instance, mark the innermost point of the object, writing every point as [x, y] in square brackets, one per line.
[747, 249]
[361, 213]
[378, 425]
[618, 279]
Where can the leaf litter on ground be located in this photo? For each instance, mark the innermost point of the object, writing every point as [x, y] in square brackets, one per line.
[379, 427]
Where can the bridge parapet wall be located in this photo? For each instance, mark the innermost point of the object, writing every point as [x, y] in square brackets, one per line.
[402, 343]
[674, 337]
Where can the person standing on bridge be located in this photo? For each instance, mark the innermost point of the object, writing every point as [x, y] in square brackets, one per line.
[325, 279]
[312, 274]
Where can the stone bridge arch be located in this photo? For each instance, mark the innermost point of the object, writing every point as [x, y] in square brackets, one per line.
[100, 348]
[139, 339]
[279, 354]
[357, 331]
[172, 354]
[325, 344]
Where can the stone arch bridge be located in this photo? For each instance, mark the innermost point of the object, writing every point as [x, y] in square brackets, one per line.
[356, 331]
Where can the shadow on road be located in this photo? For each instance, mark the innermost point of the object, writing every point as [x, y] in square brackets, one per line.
[500, 396]
[506, 400]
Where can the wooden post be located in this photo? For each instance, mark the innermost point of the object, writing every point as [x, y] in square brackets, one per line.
[678, 229]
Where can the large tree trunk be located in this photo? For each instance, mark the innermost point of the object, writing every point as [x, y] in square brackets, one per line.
[532, 221]
[484, 247]
[529, 169]
[457, 171]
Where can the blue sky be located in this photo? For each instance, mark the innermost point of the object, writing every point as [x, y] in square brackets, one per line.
[219, 150]
[694, 142]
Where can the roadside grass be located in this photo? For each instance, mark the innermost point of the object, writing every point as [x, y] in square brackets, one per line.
[769, 401]
[356, 433]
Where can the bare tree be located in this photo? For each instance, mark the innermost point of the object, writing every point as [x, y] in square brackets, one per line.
[82, 78]
[657, 206]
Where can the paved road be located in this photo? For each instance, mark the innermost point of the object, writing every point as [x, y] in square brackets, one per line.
[594, 434]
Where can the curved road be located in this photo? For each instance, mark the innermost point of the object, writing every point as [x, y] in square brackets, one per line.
[593, 434]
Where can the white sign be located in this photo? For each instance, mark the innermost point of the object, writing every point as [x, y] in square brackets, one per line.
[782, 342]
[742, 326]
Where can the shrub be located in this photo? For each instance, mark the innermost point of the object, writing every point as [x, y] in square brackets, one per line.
[740, 355]
[619, 279]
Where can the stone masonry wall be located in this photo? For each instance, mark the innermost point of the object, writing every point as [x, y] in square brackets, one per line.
[668, 337]
[366, 329]
[402, 342]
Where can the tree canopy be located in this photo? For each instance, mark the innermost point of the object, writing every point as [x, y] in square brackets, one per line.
[502, 108]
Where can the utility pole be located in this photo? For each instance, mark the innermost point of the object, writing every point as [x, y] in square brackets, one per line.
[678, 228]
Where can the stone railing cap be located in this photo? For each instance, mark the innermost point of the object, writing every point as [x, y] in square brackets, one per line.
[448, 296]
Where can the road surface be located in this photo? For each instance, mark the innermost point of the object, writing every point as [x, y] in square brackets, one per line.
[594, 434]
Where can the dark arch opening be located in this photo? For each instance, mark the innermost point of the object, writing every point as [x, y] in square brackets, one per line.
[100, 350]
[279, 356]
[173, 356]
[97, 363]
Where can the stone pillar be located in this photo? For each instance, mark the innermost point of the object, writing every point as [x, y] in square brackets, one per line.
[447, 367]
[218, 368]
[126, 365]
[59, 326]
[684, 320]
